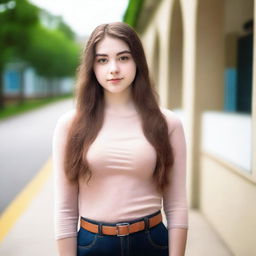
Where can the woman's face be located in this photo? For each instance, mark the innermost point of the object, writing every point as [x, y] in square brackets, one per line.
[114, 66]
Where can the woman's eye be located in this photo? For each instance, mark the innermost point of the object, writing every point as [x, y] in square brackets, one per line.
[123, 58]
[102, 60]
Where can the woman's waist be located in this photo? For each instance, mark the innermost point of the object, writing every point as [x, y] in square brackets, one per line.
[116, 214]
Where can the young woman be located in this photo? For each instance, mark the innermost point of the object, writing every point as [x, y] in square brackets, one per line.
[117, 155]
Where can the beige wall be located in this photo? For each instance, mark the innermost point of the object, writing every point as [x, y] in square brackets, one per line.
[194, 34]
[228, 201]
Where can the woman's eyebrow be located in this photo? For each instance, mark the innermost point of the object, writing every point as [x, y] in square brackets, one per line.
[122, 52]
[119, 53]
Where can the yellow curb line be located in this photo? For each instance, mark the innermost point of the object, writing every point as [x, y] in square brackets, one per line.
[9, 217]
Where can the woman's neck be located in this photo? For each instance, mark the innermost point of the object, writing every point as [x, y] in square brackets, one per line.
[119, 102]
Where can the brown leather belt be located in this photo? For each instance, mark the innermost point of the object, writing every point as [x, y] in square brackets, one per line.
[122, 228]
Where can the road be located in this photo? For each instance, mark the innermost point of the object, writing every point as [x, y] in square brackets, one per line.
[25, 146]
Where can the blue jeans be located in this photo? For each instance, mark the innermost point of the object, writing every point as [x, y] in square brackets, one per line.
[150, 242]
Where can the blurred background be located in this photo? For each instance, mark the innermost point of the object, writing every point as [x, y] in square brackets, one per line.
[200, 54]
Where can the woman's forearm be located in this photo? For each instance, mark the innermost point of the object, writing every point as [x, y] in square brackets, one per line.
[67, 246]
[178, 241]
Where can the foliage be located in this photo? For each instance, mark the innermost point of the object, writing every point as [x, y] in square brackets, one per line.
[16, 19]
[132, 12]
[51, 53]
[66, 30]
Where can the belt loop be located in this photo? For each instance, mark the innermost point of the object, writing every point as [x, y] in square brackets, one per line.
[146, 220]
[100, 229]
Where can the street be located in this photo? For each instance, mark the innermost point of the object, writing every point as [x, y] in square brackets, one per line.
[25, 147]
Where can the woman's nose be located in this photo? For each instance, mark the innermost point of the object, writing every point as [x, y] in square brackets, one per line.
[113, 67]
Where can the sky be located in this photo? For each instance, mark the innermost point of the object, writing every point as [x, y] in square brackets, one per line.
[84, 15]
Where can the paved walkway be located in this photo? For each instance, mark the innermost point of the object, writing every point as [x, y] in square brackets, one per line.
[25, 146]
[32, 233]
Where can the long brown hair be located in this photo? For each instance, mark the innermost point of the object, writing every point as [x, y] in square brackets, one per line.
[90, 105]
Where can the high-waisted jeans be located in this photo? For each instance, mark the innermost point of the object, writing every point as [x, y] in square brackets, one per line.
[150, 242]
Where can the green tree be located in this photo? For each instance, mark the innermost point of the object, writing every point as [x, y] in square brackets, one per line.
[16, 19]
[63, 27]
[52, 54]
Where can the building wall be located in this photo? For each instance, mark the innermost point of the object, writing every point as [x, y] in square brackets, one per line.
[227, 199]
[189, 44]
[34, 86]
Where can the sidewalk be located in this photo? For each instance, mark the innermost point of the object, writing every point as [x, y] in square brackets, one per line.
[33, 234]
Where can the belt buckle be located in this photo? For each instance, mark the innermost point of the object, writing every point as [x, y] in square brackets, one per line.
[122, 224]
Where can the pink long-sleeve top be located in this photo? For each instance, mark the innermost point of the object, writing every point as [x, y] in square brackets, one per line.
[121, 188]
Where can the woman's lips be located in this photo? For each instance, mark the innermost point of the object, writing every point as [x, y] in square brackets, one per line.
[115, 80]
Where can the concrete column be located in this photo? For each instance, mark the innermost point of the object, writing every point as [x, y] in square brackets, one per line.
[204, 57]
